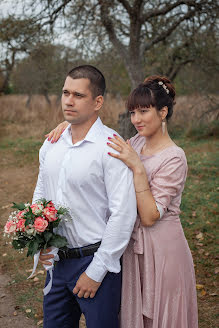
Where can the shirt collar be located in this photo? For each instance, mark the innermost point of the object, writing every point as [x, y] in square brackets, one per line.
[94, 131]
[91, 136]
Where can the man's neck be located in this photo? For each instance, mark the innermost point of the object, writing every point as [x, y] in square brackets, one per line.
[79, 131]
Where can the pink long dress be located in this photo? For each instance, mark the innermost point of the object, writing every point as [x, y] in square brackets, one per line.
[158, 289]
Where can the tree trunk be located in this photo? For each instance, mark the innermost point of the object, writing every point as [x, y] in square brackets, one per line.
[136, 75]
[126, 128]
[47, 98]
[27, 105]
[5, 85]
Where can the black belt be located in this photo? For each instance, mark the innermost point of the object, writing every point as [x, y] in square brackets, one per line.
[71, 253]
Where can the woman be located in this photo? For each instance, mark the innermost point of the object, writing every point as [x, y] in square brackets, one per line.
[158, 274]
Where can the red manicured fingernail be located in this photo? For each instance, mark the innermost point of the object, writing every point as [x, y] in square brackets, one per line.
[109, 138]
[109, 153]
[115, 135]
[108, 143]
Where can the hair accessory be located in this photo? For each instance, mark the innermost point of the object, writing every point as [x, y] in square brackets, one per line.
[164, 86]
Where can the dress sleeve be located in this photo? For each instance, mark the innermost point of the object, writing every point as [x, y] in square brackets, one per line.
[168, 181]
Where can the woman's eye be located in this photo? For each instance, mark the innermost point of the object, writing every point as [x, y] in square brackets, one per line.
[132, 113]
[144, 110]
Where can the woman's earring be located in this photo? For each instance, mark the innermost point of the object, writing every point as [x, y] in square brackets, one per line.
[163, 127]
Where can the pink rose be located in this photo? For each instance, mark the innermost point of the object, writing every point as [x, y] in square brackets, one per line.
[50, 213]
[20, 215]
[10, 227]
[21, 225]
[35, 209]
[40, 224]
[50, 204]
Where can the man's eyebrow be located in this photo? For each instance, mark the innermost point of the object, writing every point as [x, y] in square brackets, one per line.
[76, 93]
[79, 94]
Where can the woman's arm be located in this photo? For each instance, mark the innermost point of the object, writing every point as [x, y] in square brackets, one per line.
[146, 204]
[55, 134]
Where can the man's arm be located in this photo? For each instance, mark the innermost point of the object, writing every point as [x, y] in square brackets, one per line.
[122, 207]
[39, 189]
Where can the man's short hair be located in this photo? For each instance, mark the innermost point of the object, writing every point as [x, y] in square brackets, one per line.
[96, 78]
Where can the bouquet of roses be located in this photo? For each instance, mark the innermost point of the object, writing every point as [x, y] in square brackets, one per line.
[32, 226]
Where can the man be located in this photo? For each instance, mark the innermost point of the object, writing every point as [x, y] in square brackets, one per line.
[77, 172]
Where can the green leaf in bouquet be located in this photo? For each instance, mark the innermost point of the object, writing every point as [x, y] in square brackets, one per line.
[62, 211]
[42, 200]
[58, 241]
[33, 247]
[47, 202]
[56, 223]
[47, 235]
[39, 239]
[19, 206]
[28, 221]
[29, 214]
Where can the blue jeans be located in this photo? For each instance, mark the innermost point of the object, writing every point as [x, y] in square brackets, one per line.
[62, 309]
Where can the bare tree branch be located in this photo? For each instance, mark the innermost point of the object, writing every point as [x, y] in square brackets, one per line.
[163, 11]
[168, 31]
[108, 24]
[127, 6]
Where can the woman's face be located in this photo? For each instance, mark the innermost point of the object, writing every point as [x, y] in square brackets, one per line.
[147, 121]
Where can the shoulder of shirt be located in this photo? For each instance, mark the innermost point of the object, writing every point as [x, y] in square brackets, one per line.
[103, 135]
[48, 145]
[109, 132]
[45, 147]
[113, 162]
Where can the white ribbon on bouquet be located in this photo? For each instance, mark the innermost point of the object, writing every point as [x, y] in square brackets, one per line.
[54, 251]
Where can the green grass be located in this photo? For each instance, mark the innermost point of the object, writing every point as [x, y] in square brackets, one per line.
[24, 150]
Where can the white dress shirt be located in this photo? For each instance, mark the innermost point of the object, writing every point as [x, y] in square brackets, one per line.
[97, 188]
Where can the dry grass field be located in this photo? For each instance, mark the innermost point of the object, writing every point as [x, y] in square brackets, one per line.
[22, 132]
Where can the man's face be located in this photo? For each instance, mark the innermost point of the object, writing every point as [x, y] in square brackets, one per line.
[78, 105]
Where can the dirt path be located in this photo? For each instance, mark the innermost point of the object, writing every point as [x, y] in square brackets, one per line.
[10, 314]
[15, 183]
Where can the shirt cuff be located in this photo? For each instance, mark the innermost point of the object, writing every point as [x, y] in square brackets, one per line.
[96, 271]
[160, 209]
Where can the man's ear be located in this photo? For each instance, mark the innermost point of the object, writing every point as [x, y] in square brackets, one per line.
[99, 102]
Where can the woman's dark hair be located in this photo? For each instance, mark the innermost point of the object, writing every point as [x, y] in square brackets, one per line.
[97, 80]
[156, 91]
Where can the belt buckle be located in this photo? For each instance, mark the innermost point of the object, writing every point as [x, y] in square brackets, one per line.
[63, 254]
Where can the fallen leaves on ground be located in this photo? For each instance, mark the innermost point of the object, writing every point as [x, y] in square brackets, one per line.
[200, 236]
